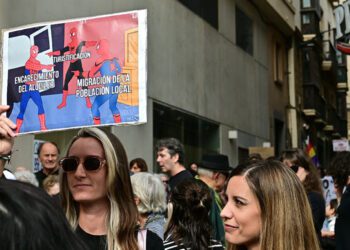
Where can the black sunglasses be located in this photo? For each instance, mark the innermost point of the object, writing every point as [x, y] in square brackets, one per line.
[295, 168]
[91, 163]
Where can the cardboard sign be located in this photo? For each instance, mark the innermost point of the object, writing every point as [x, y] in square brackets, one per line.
[264, 152]
[76, 73]
[340, 145]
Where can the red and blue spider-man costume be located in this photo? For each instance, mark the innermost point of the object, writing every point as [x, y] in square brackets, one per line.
[74, 47]
[105, 65]
[32, 66]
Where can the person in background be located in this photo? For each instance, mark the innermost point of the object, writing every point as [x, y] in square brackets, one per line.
[150, 198]
[7, 135]
[213, 171]
[138, 165]
[258, 214]
[299, 162]
[97, 196]
[254, 157]
[52, 185]
[193, 168]
[23, 174]
[189, 225]
[328, 235]
[48, 153]
[165, 180]
[331, 216]
[170, 158]
[29, 220]
[340, 170]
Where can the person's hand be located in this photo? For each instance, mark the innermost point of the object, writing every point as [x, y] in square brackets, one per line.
[6, 132]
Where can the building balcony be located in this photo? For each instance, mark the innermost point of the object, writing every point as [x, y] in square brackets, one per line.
[309, 25]
[342, 77]
[342, 104]
[335, 124]
[341, 58]
[342, 71]
[311, 66]
[329, 62]
[311, 5]
[310, 17]
[342, 74]
[331, 119]
[314, 104]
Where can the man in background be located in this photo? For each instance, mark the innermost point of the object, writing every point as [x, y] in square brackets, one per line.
[170, 158]
[48, 153]
[214, 170]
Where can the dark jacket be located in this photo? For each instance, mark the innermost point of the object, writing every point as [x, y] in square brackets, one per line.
[342, 224]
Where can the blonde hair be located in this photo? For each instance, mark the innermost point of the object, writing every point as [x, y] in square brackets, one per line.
[121, 221]
[285, 211]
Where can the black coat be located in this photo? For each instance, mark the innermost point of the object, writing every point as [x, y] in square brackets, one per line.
[342, 224]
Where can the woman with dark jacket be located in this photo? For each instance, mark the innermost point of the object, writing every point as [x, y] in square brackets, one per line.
[307, 173]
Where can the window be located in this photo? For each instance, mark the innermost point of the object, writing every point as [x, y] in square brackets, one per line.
[243, 155]
[206, 9]
[198, 136]
[306, 67]
[306, 3]
[306, 19]
[244, 31]
[340, 57]
[279, 135]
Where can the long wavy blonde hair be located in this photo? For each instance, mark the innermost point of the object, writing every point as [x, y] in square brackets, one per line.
[121, 220]
[286, 216]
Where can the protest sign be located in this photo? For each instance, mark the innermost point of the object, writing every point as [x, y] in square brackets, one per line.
[76, 73]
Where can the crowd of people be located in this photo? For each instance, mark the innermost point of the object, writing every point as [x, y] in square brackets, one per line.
[93, 198]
